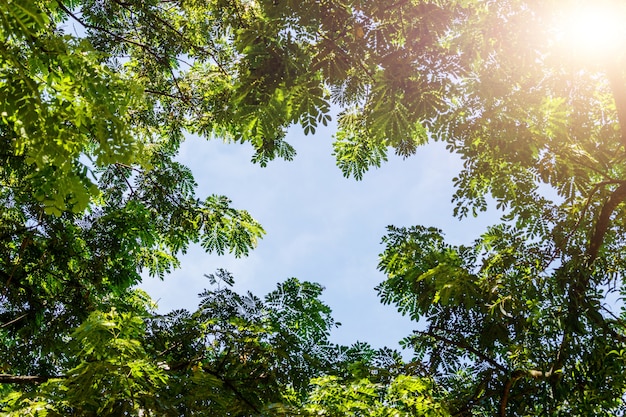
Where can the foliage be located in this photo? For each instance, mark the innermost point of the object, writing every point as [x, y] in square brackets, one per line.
[235, 355]
[114, 375]
[58, 104]
[520, 322]
[90, 198]
[404, 396]
[496, 315]
[375, 383]
[95, 99]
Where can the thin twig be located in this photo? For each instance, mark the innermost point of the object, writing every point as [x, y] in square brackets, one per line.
[466, 346]
[7, 324]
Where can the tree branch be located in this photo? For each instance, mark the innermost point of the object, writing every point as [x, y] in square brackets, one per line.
[516, 375]
[27, 379]
[120, 38]
[603, 222]
[15, 320]
[182, 37]
[234, 389]
[580, 280]
[465, 346]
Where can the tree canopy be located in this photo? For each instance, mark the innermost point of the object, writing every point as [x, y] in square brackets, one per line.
[95, 99]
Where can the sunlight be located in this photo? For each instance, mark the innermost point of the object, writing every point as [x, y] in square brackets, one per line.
[593, 30]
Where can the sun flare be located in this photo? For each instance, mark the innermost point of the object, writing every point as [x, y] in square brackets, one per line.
[593, 29]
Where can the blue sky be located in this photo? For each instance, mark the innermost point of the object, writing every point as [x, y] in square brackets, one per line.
[320, 226]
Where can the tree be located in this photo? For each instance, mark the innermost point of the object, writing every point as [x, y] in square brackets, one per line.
[96, 97]
[92, 196]
[523, 312]
[236, 355]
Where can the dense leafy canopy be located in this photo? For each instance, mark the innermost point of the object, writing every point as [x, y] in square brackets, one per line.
[235, 355]
[95, 98]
